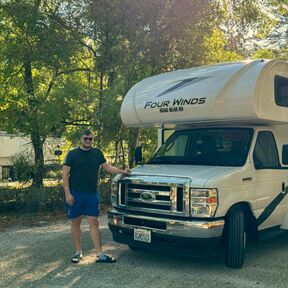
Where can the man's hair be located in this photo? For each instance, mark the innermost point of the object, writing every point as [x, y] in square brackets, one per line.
[86, 132]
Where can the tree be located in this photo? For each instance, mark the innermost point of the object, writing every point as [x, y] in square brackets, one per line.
[216, 51]
[36, 55]
[65, 64]
[251, 25]
[128, 41]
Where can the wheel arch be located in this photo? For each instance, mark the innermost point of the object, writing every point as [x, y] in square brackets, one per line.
[251, 223]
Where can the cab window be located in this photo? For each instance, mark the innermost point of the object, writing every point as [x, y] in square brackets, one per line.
[265, 153]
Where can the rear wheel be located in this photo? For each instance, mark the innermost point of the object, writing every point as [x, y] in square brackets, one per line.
[235, 238]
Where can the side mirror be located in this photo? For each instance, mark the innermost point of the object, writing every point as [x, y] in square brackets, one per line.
[285, 154]
[138, 155]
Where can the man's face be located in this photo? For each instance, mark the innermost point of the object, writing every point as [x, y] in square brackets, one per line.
[86, 141]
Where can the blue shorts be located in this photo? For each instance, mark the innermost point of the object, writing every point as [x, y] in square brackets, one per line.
[85, 203]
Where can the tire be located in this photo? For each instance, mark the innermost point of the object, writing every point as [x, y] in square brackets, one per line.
[235, 238]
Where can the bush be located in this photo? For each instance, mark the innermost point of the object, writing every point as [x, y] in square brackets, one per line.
[32, 199]
[23, 167]
[46, 199]
[53, 171]
[105, 192]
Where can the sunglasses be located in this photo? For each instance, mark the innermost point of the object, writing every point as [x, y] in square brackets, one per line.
[87, 138]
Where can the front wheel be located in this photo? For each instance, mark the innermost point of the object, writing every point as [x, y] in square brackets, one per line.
[235, 238]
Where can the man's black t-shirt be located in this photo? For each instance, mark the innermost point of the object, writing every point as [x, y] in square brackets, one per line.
[84, 169]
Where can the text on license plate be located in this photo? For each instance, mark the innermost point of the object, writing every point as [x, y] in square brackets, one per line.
[142, 235]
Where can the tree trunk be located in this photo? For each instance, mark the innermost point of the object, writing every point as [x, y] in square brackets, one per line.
[100, 111]
[133, 142]
[38, 174]
[119, 151]
[37, 141]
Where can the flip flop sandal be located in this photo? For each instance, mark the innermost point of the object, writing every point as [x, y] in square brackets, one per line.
[76, 258]
[107, 259]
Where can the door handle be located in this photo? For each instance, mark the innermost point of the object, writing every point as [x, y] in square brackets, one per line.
[247, 179]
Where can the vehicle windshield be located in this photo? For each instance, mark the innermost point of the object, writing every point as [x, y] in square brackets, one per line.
[215, 146]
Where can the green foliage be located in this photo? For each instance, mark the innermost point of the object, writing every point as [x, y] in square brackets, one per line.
[65, 65]
[263, 54]
[216, 49]
[45, 199]
[126, 42]
[23, 167]
[32, 199]
[37, 54]
[53, 172]
[246, 22]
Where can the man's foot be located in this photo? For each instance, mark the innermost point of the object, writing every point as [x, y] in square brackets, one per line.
[77, 257]
[102, 258]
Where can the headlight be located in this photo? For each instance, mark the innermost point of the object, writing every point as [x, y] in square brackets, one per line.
[203, 202]
[114, 190]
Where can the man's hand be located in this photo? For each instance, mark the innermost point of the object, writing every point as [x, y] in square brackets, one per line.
[113, 170]
[126, 172]
[69, 199]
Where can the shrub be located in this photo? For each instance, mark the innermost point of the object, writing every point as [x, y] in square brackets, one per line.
[53, 171]
[32, 199]
[46, 199]
[23, 167]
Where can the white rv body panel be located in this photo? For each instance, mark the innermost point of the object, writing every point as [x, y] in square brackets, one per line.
[268, 182]
[240, 91]
[284, 225]
[198, 175]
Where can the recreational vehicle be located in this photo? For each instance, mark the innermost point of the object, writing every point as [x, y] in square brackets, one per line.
[220, 174]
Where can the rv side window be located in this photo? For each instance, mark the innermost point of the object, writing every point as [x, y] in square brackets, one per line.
[281, 91]
[265, 153]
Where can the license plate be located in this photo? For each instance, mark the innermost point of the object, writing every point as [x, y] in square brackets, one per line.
[142, 235]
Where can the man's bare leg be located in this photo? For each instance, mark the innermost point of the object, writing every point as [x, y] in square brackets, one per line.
[76, 232]
[96, 239]
[95, 233]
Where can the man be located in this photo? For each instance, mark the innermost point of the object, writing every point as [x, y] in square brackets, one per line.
[80, 173]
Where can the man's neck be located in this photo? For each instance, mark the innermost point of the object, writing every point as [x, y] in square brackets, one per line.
[84, 148]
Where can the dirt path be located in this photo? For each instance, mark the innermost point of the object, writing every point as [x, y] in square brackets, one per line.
[39, 256]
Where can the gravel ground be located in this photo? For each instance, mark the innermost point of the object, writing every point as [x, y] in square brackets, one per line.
[39, 256]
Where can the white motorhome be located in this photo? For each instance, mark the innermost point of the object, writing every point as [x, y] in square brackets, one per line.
[221, 177]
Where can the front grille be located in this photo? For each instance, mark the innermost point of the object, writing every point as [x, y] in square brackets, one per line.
[132, 203]
[159, 197]
[179, 200]
[161, 194]
[145, 223]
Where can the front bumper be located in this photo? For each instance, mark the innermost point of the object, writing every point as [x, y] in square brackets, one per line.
[179, 233]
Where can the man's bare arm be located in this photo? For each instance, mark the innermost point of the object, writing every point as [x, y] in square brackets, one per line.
[66, 175]
[114, 170]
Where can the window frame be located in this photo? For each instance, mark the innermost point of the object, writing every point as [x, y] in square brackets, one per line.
[205, 129]
[278, 82]
[277, 152]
